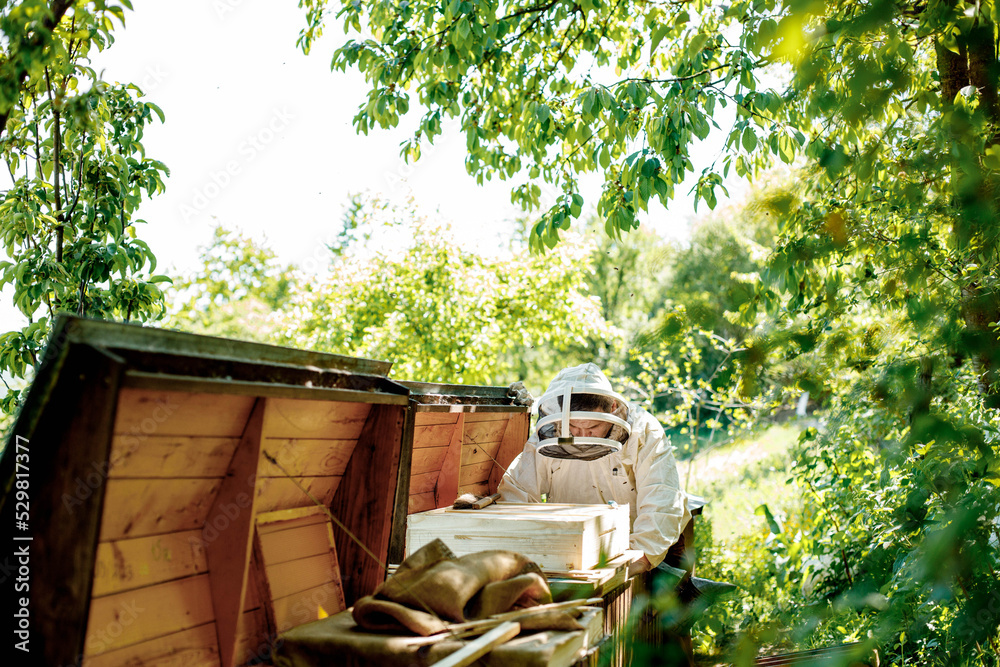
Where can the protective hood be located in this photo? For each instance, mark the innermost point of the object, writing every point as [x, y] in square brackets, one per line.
[599, 416]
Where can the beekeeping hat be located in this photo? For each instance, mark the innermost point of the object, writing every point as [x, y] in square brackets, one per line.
[581, 394]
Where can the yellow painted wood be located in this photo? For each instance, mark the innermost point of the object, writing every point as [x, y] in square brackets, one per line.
[299, 542]
[303, 607]
[194, 647]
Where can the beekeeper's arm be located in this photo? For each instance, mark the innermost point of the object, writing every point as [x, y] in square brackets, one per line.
[525, 480]
[662, 508]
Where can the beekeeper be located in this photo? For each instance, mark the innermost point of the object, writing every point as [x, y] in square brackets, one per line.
[590, 445]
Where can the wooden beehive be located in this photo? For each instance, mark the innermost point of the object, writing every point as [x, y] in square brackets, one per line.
[176, 492]
[461, 439]
[558, 537]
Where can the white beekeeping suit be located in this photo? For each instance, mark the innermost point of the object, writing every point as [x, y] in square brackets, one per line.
[629, 461]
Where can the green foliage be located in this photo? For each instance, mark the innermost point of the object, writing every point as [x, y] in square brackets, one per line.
[442, 314]
[72, 145]
[239, 285]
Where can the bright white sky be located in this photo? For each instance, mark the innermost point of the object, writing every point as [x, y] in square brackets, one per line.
[259, 137]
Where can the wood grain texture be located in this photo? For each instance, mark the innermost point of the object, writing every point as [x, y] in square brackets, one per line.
[147, 412]
[420, 502]
[488, 431]
[333, 420]
[484, 414]
[253, 639]
[428, 418]
[477, 473]
[301, 574]
[427, 459]
[401, 501]
[279, 493]
[285, 545]
[133, 563]
[436, 435]
[514, 437]
[194, 647]
[364, 501]
[132, 617]
[478, 488]
[306, 457]
[304, 606]
[170, 456]
[69, 449]
[446, 489]
[479, 453]
[229, 553]
[138, 507]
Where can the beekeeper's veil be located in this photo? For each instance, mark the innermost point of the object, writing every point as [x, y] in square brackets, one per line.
[581, 393]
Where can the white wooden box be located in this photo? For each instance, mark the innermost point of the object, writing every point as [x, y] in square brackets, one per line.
[558, 537]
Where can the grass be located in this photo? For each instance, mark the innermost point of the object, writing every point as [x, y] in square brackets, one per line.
[740, 476]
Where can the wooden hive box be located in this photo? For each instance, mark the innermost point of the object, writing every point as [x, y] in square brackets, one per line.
[458, 439]
[175, 491]
[558, 537]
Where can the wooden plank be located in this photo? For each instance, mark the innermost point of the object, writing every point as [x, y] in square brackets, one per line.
[306, 457]
[479, 453]
[279, 493]
[436, 435]
[477, 473]
[424, 483]
[428, 418]
[127, 564]
[420, 502]
[148, 412]
[491, 431]
[483, 414]
[479, 647]
[514, 437]
[253, 639]
[229, 557]
[427, 459]
[170, 456]
[132, 617]
[304, 606]
[333, 420]
[480, 489]
[194, 647]
[298, 575]
[446, 489]
[400, 503]
[364, 502]
[285, 545]
[269, 522]
[68, 446]
[138, 507]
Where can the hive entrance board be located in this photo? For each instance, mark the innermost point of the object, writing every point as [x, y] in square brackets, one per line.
[556, 536]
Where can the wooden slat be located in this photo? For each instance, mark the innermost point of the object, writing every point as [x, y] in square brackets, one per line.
[437, 435]
[194, 647]
[270, 522]
[253, 644]
[514, 437]
[479, 453]
[127, 564]
[476, 473]
[401, 500]
[480, 489]
[137, 616]
[426, 418]
[487, 416]
[428, 459]
[278, 493]
[303, 607]
[424, 483]
[288, 545]
[298, 575]
[138, 507]
[420, 502]
[365, 500]
[146, 412]
[446, 489]
[229, 556]
[491, 431]
[316, 419]
[170, 456]
[306, 457]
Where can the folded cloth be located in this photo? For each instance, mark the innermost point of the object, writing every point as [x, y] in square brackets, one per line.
[433, 586]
